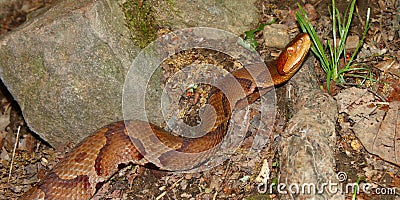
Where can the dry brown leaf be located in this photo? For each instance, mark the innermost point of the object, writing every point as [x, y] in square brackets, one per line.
[375, 124]
[395, 182]
[390, 65]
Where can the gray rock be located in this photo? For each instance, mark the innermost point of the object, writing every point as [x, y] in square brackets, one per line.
[276, 35]
[66, 68]
[308, 142]
[234, 16]
[67, 64]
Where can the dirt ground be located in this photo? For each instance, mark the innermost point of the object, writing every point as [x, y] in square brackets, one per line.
[231, 180]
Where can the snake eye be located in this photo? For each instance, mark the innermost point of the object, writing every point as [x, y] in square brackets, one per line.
[290, 50]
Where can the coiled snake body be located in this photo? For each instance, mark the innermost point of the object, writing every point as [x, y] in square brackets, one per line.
[92, 162]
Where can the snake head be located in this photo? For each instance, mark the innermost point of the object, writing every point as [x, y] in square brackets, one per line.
[291, 58]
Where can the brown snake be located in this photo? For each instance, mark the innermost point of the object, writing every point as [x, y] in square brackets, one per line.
[92, 162]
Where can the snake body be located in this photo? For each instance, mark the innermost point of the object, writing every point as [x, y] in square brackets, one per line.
[94, 160]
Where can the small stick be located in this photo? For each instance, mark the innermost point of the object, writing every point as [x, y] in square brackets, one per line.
[170, 188]
[13, 155]
[377, 95]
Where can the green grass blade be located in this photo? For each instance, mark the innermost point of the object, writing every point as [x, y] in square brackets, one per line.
[366, 28]
[317, 47]
[334, 56]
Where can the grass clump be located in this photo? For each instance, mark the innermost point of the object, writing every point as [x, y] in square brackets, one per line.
[329, 55]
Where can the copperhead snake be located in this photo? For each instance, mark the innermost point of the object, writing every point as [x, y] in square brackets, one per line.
[94, 160]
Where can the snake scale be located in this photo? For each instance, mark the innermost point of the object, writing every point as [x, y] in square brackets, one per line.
[94, 160]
